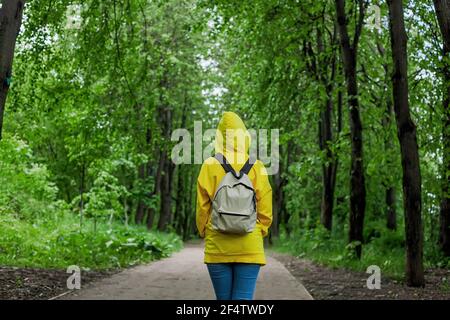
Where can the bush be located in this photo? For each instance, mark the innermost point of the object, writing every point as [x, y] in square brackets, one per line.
[36, 230]
[58, 243]
[387, 251]
[25, 189]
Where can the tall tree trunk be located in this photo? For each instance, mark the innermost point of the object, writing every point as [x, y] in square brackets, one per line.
[190, 227]
[406, 130]
[391, 212]
[319, 65]
[339, 110]
[442, 8]
[326, 131]
[283, 214]
[166, 194]
[180, 209]
[335, 164]
[277, 200]
[140, 210]
[338, 130]
[10, 22]
[444, 232]
[156, 191]
[179, 206]
[357, 183]
[186, 205]
[127, 203]
[144, 174]
[82, 182]
[166, 186]
[326, 215]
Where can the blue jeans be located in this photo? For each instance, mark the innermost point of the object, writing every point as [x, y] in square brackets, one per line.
[233, 281]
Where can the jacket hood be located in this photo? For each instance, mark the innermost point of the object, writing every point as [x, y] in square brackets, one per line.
[232, 137]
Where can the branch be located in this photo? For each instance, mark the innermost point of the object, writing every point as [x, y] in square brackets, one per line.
[122, 69]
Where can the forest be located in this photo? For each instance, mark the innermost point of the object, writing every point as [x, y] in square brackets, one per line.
[92, 92]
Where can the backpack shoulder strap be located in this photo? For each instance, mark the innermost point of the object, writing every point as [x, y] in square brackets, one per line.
[247, 166]
[228, 168]
[225, 165]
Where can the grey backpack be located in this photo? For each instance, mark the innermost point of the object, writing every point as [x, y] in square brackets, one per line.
[234, 203]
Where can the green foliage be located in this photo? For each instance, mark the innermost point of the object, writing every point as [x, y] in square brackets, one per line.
[334, 251]
[37, 230]
[91, 111]
[58, 243]
[103, 199]
[97, 104]
[276, 63]
[25, 189]
[387, 250]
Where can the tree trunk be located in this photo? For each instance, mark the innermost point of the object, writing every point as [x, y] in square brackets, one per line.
[191, 205]
[125, 211]
[10, 22]
[179, 206]
[82, 181]
[442, 8]
[166, 186]
[319, 66]
[180, 210]
[187, 208]
[166, 194]
[326, 135]
[140, 210]
[277, 199]
[326, 215]
[283, 214]
[127, 205]
[278, 202]
[391, 213]
[156, 191]
[144, 174]
[357, 183]
[406, 131]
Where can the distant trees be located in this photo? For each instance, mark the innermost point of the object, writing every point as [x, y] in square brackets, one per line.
[322, 56]
[285, 53]
[110, 91]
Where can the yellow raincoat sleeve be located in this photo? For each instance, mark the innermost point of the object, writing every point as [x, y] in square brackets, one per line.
[263, 197]
[204, 189]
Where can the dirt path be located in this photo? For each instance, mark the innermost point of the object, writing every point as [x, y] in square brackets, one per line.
[325, 283]
[184, 276]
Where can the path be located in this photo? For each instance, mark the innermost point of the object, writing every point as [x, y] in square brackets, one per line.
[184, 276]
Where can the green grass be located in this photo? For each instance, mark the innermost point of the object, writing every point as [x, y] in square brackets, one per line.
[387, 250]
[58, 243]
[333, 251]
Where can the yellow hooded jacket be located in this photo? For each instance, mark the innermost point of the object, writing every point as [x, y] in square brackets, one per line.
[221, 247]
